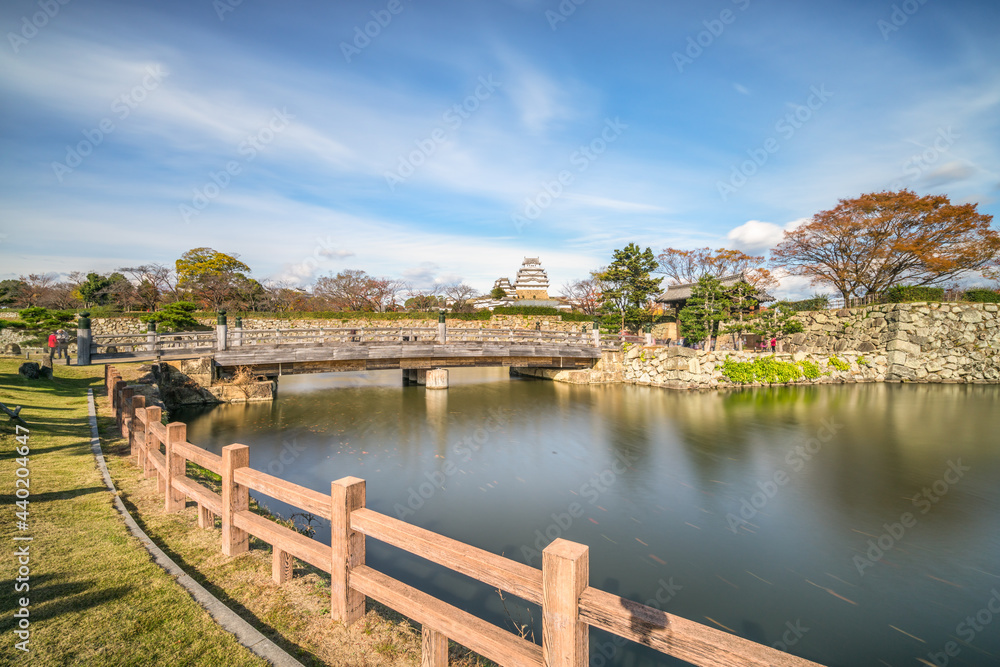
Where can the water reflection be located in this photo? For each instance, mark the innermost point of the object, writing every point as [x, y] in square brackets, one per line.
[499, 463]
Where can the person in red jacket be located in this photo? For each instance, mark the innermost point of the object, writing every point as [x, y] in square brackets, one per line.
[53, 343]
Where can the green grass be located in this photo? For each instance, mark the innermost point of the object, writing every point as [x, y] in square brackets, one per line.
[96, 597]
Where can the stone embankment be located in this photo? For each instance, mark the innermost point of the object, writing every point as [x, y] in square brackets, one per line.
[132, 325]
[918, 342]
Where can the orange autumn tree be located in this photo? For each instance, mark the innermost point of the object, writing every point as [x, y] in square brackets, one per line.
[881, 239]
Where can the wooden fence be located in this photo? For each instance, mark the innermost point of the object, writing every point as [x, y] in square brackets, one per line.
[570, 606]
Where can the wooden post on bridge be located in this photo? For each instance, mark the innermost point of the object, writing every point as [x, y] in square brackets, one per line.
[220, 331]
[84, 338]
[565, 575]
[442, 329]
[235, 498]
[348, 546]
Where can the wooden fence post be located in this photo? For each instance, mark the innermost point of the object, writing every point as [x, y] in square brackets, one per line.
[205, 517]
[150, 443]
[175, 468]
[282, 565]
[565, 575]
[235, 498]
[348, 546]
[433, 649]
[127, 394]
[136, 426]
[116, 400]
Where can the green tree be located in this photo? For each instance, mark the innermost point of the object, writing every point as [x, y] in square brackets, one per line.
[627, 285]
[498, 293]
[176, 316]
[10, 292]
[212, 277]
[778, 320]
[744, 299]
[708, 306]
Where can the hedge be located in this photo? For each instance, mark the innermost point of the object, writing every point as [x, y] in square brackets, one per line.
[907, 293]
[981, 295]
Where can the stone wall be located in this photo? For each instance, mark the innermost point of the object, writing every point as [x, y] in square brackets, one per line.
[684, 368]
[101, 326]
[918, 342]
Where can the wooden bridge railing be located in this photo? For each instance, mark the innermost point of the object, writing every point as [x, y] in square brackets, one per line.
[570, 606]
[205, 342]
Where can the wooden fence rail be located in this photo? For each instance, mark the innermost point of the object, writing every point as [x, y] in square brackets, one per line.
[570, 606]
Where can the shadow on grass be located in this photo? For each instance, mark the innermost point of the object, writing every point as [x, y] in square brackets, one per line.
[50, 598]
[59, 495]
[299, 652]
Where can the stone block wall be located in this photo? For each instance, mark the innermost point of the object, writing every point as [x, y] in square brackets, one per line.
[916, 342]
[684, 368]
[102, 326]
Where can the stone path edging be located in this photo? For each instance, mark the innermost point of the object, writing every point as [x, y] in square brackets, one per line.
[230, 621]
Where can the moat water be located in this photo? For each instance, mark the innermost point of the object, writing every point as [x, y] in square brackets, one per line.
[847, 524]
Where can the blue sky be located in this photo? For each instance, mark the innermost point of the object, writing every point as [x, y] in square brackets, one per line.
[455, 138]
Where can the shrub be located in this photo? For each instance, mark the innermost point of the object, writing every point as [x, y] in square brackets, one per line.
[762, 369]
[863, 361]
[810, 369]
[981, 295]
[907, 293]
[817, 302]
[838, 363]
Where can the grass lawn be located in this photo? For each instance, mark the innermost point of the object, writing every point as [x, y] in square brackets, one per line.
[97, 598]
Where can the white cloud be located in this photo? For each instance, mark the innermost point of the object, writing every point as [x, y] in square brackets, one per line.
[756, 237]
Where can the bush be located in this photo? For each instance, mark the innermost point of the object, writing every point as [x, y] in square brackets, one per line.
[810, 369]
[907, 293]
[981, 295]
[817, 302]
[838, 363]
[762, 369]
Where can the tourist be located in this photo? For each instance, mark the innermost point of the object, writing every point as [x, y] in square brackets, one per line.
[774, 345]
[62, 350]
[53, 343]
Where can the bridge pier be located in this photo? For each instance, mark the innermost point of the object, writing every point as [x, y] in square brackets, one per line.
[437, 378]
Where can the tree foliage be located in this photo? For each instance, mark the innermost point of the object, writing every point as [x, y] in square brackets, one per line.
[213, 278]
[709, 305]
[628, 286]
[776, 321]
[354, 289]
[176, 316]
[689, 266]
[881, 239]
[585, 295]
[461, 296]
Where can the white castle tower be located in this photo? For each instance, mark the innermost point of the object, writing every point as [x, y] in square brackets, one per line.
[532, 281]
